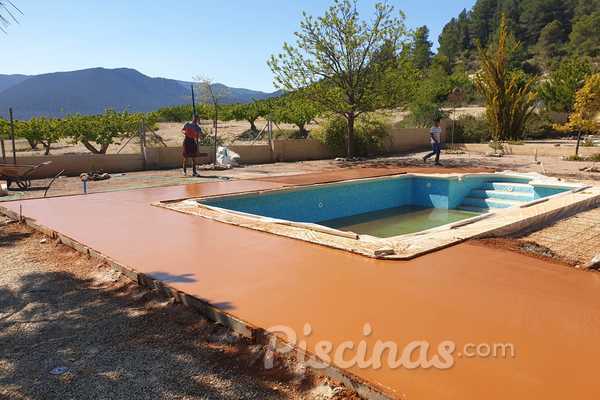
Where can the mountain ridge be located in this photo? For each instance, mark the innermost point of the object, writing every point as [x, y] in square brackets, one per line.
[92, 90]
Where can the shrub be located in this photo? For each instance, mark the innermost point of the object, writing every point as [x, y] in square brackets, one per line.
[539, 126]
[471, 129]
[370, 133]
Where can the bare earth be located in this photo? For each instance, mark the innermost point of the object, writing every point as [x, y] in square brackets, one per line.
[169, 132]
[117, 340]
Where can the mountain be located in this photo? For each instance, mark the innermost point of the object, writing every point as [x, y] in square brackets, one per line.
[7, 81]
[91, 91]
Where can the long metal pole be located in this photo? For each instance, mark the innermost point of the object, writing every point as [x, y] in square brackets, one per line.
[12, 135]
[193, 101]
[194, 117]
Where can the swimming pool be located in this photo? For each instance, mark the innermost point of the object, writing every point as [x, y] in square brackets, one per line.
[401, 216]
[392, 206]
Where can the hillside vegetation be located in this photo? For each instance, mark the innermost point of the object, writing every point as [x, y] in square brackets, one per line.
[549, 31]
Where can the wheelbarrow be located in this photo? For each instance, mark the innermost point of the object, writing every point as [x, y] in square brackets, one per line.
[19, 174]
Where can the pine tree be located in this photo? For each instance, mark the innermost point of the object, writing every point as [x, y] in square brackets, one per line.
[421, 50]
[584, 40]
[550, 43]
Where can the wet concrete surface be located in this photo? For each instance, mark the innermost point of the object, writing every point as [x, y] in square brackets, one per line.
[467, 293]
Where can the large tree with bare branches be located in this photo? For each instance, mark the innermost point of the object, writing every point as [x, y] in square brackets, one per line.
[335, 60]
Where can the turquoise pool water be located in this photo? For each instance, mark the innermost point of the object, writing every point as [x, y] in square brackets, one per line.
[390, 206]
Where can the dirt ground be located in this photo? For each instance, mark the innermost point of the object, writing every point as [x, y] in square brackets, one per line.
[113, 339]
[169, 133]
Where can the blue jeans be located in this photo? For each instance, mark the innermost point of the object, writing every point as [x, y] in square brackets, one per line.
[437, 148]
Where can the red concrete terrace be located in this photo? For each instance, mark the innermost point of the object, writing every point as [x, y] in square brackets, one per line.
[467, 293]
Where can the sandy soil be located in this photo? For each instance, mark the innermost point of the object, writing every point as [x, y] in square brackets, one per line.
[117, 340]
[169, 132]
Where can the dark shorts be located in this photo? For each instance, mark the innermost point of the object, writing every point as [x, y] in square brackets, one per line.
[190, 148]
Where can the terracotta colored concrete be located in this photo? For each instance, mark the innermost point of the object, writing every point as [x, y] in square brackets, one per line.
[466, 293]
[343, 174]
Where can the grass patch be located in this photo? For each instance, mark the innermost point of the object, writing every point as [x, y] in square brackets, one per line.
[592, 158]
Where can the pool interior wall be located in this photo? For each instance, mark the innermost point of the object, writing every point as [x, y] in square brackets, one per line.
[339, 200]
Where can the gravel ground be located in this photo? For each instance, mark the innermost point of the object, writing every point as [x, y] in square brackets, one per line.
[575, 239]
[117, 340]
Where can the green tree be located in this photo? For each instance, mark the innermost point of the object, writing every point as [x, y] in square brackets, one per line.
[250, 112]
[333, 60]
[42, 130]
[534, 15]
[584, 119]
[22, 130]
[482, 20]
[585, 7]
[584, 39]
[558, 91]
[421, 48]
[295, 109]
[550, 43]
[97, 133]
[455, 38]
[508, 93]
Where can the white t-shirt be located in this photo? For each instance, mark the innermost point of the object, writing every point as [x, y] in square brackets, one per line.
[436, 132]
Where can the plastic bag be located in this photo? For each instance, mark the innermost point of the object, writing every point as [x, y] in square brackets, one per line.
[227, 158]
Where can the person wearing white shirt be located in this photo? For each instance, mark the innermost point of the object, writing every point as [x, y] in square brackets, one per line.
[435, 134]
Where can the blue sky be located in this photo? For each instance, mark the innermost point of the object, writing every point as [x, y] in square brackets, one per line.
[227, 40]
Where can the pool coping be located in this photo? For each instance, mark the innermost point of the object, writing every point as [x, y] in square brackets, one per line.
[403, 247]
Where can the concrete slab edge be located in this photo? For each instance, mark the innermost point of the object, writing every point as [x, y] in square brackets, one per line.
[366, 390]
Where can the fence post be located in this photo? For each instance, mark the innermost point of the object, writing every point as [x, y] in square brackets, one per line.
[271, 147]
[143, 141]
[12, 135]
[3, 150]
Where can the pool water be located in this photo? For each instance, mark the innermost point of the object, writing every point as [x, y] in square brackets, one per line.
[398, 221]
[391, 206]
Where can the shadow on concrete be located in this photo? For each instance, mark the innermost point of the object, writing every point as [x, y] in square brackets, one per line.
[223, 305]
[169, 278]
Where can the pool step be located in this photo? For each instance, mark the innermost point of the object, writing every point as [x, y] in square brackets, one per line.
[495, 195]
[489, 203]
[508, 187]
[502, 195]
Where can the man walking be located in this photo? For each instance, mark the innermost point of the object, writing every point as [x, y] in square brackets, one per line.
[192, 132]
[435, 134]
